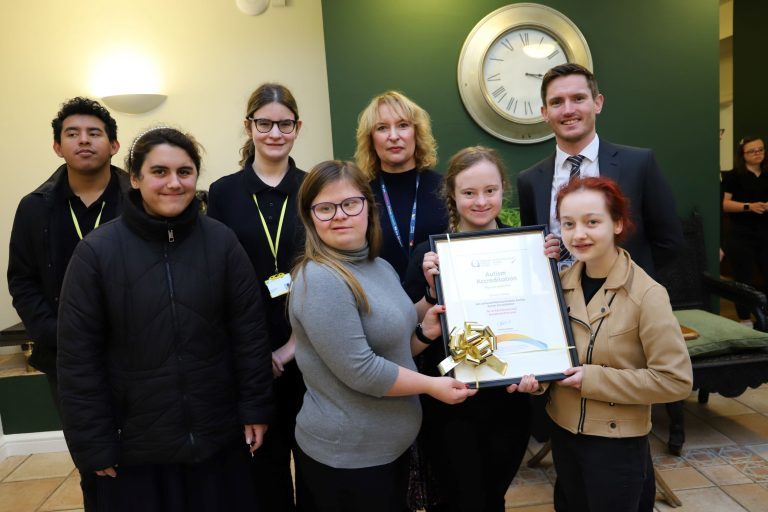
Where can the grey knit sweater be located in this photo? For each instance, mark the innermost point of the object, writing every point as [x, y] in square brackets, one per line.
[349, 360]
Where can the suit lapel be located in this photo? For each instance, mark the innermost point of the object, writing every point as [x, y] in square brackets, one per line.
[608, 160]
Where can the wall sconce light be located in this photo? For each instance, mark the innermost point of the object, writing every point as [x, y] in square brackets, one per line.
[256, 7]
[127, 82]
[133, 103]
[252, 7]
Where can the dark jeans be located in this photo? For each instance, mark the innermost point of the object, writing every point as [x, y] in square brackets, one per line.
[372, 489]
[602, 474]
[87, 480]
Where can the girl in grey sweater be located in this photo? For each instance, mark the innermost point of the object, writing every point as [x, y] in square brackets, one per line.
[356, 334]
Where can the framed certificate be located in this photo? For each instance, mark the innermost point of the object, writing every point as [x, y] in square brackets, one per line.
[502, 281]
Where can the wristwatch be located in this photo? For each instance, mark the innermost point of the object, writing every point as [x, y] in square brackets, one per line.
[746, 207]
[423, 337]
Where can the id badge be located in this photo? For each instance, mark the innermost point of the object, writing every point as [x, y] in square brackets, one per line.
[278, 284]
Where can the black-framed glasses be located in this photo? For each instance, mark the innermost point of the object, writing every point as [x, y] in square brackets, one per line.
[265, 125]
[757, 151]
[352, 206]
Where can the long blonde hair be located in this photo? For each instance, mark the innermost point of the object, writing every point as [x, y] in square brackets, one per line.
[322, 175]
[460, 162]
[426, 148]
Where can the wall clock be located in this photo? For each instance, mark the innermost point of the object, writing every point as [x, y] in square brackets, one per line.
[503, 61]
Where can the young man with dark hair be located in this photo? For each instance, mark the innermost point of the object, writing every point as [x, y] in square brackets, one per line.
[83, 193]
[571, 103]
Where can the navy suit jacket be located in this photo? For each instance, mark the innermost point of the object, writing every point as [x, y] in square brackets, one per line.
[658, 232]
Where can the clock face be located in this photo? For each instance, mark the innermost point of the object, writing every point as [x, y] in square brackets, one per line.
[503, 61]
[513, 68]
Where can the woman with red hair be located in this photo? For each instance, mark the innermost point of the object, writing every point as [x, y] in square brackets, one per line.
[631, 355]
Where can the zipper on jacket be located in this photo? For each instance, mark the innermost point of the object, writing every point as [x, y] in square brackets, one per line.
[590, 348]
[171, 239]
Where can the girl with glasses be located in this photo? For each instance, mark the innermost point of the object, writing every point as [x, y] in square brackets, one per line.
[474, 188]
[259, 204]
[356, 334]
[745, 201]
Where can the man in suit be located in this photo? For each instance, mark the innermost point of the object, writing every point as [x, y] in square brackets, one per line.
[571, 102]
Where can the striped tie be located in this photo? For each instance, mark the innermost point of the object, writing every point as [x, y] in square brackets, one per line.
[575, 162]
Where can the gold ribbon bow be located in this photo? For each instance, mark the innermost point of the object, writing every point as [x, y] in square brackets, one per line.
[473, 345]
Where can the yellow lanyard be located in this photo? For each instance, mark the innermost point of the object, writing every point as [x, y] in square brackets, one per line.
[273, 246]
[77, 224]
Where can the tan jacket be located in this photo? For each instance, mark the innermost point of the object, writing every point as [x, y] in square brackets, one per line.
[638, 357]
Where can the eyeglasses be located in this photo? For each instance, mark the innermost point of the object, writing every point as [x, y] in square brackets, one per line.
[265, 125]
[755, 151]
[352, 206]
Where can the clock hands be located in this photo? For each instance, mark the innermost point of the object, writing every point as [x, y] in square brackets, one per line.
[535, 75]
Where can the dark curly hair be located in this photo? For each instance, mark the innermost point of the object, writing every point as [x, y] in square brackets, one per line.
[86, 107]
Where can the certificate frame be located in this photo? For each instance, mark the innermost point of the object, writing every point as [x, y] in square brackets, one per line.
[501, 278]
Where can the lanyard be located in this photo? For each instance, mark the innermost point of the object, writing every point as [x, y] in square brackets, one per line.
[392, 219]
[273, 246]
[77, 224]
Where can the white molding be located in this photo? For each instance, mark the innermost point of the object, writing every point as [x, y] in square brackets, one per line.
[32, 442]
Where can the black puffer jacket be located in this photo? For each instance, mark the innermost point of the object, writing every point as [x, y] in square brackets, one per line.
[163, 354]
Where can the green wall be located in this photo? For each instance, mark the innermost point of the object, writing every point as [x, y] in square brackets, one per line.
[26, 405]
[749, 72]
[656, 62]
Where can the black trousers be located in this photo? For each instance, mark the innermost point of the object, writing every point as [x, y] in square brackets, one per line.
[748, 252]
[222, 482]
[271, 463]
[601, 474]
[87, 480]
[475, 449]
[373, 489]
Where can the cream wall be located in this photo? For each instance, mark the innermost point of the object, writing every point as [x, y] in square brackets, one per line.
[210, 57]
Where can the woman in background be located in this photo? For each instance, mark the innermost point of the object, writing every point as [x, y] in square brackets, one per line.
[259, 204]
[356, 334]
[474, 188]
[164, 366]
[745, 201]
[396, 150]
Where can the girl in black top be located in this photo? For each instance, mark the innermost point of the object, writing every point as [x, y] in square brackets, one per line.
[259, 204]
[473, 191]
[395, 147]
[745, 200]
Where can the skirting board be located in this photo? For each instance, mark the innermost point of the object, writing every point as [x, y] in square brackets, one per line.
[32, 442]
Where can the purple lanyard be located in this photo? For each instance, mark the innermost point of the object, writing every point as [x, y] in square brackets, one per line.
[392, 219]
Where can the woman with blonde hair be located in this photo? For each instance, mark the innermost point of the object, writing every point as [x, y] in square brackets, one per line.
[356, 334]
[396, 150]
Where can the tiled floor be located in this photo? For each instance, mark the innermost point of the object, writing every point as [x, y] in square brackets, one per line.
[723, 467]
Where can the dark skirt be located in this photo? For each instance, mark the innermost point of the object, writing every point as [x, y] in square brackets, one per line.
[222, 482]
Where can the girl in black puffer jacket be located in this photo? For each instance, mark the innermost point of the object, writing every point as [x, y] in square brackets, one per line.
[164, 363]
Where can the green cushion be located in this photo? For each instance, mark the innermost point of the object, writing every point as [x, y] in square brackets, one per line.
[719, 335]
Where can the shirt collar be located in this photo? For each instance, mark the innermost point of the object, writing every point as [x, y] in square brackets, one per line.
[287, 186]
[589, 153]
